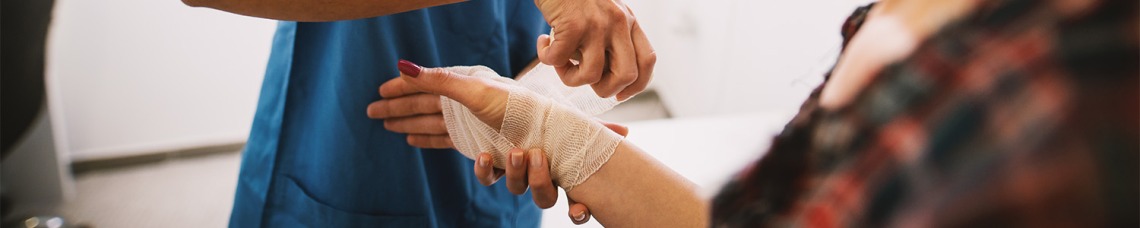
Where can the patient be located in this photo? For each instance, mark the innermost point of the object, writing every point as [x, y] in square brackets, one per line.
[938, 113]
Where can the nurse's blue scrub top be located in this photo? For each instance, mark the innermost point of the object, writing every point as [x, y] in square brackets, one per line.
[314, 159]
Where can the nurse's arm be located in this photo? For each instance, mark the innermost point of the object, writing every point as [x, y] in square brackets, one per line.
[316, 10]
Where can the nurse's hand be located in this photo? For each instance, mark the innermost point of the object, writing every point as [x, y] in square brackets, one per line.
[409, 111]
[614, 56]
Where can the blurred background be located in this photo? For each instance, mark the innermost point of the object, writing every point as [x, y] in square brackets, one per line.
[150, 102]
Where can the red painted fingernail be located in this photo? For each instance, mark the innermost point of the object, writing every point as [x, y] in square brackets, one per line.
[409, 68]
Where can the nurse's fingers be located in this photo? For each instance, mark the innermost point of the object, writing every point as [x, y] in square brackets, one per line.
[404, 106]
[564, 42]
[589, 71]
[485, 171]
[646, 61]
[541, 45]
[516, 171]
[422, 124]
[430, 141]
[397, 87]
[622, 66]
[617, 128]
[538, 177]
[544, 42]
[578, 212]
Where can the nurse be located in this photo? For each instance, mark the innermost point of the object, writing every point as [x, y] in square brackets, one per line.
[315, 159]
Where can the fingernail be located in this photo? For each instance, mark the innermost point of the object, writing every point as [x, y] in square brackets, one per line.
[409, 68]
[535, 160]
[623, 97]
[581, 216]
[517, 159]
[484, 162]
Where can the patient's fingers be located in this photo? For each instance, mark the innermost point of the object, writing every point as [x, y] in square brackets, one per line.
[415, 104]
[538, 176]
[397, 87]
[421, 124]
[485, 170]
[516, 171]
[578, 213]
[430, 141]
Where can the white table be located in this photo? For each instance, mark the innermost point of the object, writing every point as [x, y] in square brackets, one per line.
[706, 150]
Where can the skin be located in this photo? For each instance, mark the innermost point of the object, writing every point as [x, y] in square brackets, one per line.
[315, 10]
[891, 35]
[663, 198]
[630, 175]
[641, 179]
[617, 61]
[408, 110]
[532, 169]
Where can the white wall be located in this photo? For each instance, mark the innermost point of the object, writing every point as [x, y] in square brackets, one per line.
[718, 57]
[133, 76]
[136, 76]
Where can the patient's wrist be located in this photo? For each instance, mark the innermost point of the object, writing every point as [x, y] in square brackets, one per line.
[573, 141]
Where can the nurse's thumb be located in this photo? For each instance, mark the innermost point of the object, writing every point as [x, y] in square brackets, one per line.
[440, 81]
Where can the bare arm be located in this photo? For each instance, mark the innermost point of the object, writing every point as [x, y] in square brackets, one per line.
[630, 189]
[635, 190]
[316, 10]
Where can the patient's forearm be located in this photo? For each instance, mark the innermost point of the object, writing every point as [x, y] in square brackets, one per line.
[316, 10]
[620, 184]
[635, 190]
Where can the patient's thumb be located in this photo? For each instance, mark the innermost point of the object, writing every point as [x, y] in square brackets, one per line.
[439, 81]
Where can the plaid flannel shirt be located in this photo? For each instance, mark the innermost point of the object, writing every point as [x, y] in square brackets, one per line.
[1019, 113]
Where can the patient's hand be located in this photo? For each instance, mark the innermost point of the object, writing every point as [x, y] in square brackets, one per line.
[528, 169]
[531, 169]
[411, 106]
[412, 112]
[487, 99]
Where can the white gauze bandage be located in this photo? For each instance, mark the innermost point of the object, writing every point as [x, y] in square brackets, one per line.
[541, 113]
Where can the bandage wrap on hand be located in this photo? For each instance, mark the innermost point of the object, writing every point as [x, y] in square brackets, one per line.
[540, 113]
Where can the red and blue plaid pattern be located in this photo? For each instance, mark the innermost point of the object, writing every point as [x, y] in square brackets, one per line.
[1021, 113]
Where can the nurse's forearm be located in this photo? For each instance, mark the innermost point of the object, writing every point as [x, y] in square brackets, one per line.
[316, 10]
[635, 190]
